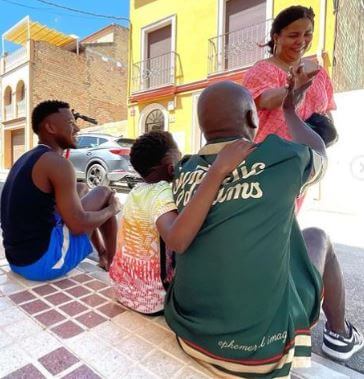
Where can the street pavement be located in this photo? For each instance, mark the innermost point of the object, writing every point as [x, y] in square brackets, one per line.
[349, 246]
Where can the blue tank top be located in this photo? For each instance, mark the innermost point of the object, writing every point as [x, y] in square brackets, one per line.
[27, 213]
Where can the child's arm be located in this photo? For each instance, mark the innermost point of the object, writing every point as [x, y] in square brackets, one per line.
[179, 230]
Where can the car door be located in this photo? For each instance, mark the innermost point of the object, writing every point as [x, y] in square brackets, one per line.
[82, 154]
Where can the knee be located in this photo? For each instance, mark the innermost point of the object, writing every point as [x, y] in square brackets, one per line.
[82, 189]
[315, 233]
[102, 192]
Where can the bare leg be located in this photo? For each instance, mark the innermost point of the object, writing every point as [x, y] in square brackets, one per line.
[103, 238]
[322, 255]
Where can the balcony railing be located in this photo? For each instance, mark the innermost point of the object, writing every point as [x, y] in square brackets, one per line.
[8, 112]
[15, 59]
[238, 49]
[154, 72]
[21, 108]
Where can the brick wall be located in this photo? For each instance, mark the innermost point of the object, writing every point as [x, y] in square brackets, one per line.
[117, 50]
[92, 86]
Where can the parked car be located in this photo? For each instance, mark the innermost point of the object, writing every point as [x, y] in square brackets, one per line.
[101, 159]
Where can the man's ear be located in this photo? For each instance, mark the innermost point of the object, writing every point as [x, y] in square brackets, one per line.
[49, 126]
[252, 119]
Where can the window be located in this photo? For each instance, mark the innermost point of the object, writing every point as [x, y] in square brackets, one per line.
[102, 140]
[154, 121]
[87, 142]
[244, 28]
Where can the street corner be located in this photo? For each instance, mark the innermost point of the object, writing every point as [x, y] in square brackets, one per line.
[357, 167]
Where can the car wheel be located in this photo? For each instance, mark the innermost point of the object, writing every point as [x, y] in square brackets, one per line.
[96, 176]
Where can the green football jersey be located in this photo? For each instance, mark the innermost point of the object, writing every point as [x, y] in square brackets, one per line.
[245, 293]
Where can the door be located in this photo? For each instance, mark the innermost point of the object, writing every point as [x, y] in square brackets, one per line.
[17, 144]
[245, 28]
[159, 66]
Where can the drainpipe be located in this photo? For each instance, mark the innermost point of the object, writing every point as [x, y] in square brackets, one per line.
[322, 33]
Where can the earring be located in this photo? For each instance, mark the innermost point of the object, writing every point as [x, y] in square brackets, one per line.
[274, 49]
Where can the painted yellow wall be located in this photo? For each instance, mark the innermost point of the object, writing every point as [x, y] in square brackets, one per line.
[196, 22]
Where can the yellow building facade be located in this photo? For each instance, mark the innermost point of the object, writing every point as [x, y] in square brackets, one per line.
[179, 47]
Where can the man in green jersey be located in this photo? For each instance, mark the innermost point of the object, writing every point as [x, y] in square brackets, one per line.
[249, 288]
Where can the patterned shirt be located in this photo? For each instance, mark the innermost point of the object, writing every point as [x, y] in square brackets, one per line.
[264, 75]
[136, 270]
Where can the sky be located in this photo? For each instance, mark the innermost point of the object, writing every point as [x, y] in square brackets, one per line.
[12, 11]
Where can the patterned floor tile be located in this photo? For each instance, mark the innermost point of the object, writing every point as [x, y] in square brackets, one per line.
[111, 363]
[67, 329]
[96, 285]
[5, 339]
[162, 364]
[44, 290]
[58, 298]
[73, 308]
[82, 278]
[93, 300]
[134, 347]
[110, 333]
[91, 319]
[64, 283]
[50, 318]
[190, 373]
[22, 329]
[39, 345]
[78, 291]
[27, 372]
[130, 320]
[35, 306]
[108, 292]
[5, 303]
[83, 372]
[58, 360]
[10, 288]
[12, 315]
[11, 359]
[153, 333]
[22, 297]
[111, 310]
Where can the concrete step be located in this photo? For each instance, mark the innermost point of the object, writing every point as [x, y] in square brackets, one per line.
[322, 368]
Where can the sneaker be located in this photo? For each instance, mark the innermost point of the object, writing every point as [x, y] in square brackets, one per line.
[339, 347]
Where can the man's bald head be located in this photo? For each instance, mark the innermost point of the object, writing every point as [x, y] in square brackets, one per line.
[226, 109]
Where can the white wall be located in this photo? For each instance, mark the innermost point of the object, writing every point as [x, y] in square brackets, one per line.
[342, 189]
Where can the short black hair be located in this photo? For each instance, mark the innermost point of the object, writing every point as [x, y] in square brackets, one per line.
[44, 109]
[286, 17]
[149, 150]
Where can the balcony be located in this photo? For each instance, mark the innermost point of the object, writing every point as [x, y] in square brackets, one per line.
[154, 72]
[21, 108]
[8, 112]
[15, 59]
[238, 49]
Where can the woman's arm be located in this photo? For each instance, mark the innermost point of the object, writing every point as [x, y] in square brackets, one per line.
[179, 230]
[271, 98]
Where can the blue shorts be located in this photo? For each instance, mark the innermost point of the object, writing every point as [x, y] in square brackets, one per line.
[65, 252]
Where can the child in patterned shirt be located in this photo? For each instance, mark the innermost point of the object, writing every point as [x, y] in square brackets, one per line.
[150, 219]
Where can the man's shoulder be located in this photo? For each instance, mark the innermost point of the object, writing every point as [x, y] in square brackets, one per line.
[277, 144]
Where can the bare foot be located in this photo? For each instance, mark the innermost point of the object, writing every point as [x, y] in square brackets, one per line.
[104, 262]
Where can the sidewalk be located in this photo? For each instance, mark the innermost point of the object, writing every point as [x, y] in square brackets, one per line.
[72, 328]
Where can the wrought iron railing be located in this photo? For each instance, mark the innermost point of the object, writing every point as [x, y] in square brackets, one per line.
[15, 59]
[238, 49]
[8, 112]
[154, 72]
[21, 108]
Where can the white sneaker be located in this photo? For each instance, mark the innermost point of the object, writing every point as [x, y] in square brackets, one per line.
[338, 347]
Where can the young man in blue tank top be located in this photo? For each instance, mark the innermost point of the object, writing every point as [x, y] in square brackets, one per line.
[47, 225]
